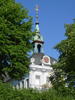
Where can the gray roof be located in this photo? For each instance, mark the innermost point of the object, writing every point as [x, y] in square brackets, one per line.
[52, 60]
[38, 57]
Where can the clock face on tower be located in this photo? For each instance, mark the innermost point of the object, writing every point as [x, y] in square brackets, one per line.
[46, 60]
[32, 60]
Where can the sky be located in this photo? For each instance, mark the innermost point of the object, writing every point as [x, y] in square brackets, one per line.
[53, 15]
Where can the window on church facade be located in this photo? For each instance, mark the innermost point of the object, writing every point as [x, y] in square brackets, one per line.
[37, 76]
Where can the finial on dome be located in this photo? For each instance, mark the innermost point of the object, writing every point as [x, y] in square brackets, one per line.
[37, 19]
[37, 14]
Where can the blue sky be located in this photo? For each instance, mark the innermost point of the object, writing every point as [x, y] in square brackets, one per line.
[53, 15]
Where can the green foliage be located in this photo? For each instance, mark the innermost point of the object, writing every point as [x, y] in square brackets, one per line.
[66, 63]
[66, 49]
[8, 93]
[15, 36]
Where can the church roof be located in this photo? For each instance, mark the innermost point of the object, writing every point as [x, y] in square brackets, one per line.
[39, 56]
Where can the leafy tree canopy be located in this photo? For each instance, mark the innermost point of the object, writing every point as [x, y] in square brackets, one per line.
[66, 49]
[15, 36]
[66, 62]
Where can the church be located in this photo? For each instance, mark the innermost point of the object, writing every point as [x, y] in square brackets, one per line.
[40, 68]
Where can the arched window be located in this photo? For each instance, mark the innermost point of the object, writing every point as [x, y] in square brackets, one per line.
[39, 48]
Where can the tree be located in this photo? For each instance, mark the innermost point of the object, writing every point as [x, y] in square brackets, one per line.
[66, 48]
[15, 37]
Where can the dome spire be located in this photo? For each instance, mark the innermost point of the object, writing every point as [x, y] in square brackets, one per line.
[37, 39]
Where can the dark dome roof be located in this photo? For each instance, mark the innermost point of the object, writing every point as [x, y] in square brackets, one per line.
[38, 57]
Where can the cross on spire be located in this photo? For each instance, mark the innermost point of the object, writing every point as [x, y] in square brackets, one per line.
[37, 14]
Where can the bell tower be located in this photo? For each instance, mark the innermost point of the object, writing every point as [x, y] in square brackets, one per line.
[37, 39]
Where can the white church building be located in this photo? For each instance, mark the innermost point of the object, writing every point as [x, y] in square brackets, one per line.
[40, 68]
